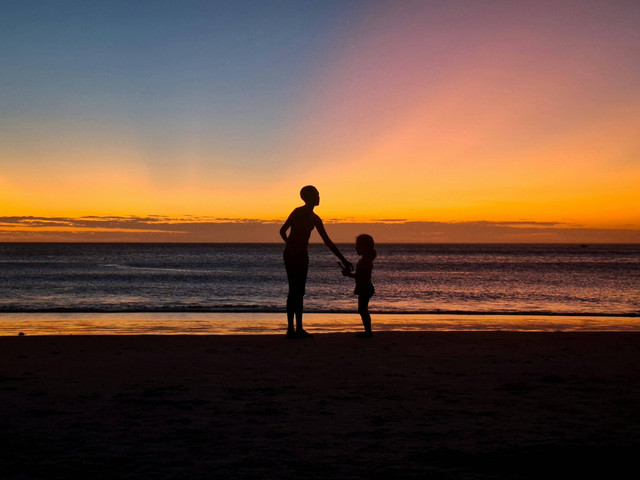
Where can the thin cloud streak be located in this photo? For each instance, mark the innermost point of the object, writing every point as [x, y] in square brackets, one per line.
[158, 228]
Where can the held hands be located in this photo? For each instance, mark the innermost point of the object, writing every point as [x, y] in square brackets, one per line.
[346, 268]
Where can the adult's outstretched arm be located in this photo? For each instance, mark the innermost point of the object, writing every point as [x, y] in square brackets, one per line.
[327, 241]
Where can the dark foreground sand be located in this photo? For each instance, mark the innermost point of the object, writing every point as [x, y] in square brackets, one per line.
[400, 405]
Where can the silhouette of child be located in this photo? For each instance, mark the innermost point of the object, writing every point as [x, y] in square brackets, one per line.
[302, 221]
[364, 287]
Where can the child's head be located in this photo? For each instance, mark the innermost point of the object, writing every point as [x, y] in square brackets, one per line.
[365, 245]
[310, 195]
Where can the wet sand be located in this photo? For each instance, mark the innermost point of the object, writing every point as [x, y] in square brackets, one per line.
[255, 323]
[400, 405]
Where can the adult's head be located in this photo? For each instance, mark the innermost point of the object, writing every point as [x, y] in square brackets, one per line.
[310, 195]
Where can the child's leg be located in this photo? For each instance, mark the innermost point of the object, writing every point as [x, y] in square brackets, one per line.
[363, 310]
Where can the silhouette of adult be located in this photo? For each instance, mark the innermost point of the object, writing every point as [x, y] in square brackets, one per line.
[302, 221]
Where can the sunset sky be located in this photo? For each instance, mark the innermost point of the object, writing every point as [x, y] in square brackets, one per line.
[117, 116]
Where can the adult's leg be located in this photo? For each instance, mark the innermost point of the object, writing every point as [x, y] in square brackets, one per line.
[300, 287]
[363, 310]
[297, 267]
[294, 306]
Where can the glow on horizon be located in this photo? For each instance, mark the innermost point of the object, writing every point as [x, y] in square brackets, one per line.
[521, 120]
[420, 111]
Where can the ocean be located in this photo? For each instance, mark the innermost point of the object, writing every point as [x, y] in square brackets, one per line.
[410, 279]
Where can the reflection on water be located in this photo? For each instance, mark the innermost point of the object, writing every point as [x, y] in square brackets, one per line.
[532, 279]
[12, 324]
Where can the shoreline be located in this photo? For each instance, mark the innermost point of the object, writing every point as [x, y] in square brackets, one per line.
[443, 405]
[320, 312]
[171, 323]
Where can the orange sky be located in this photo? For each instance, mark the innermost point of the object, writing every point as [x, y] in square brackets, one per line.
[416, 111]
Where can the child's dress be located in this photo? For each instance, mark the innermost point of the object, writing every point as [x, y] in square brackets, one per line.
[364, 287]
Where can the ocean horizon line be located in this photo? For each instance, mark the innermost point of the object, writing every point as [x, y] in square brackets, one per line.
[585, 244]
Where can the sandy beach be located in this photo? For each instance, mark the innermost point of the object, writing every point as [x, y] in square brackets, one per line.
[399, 405]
